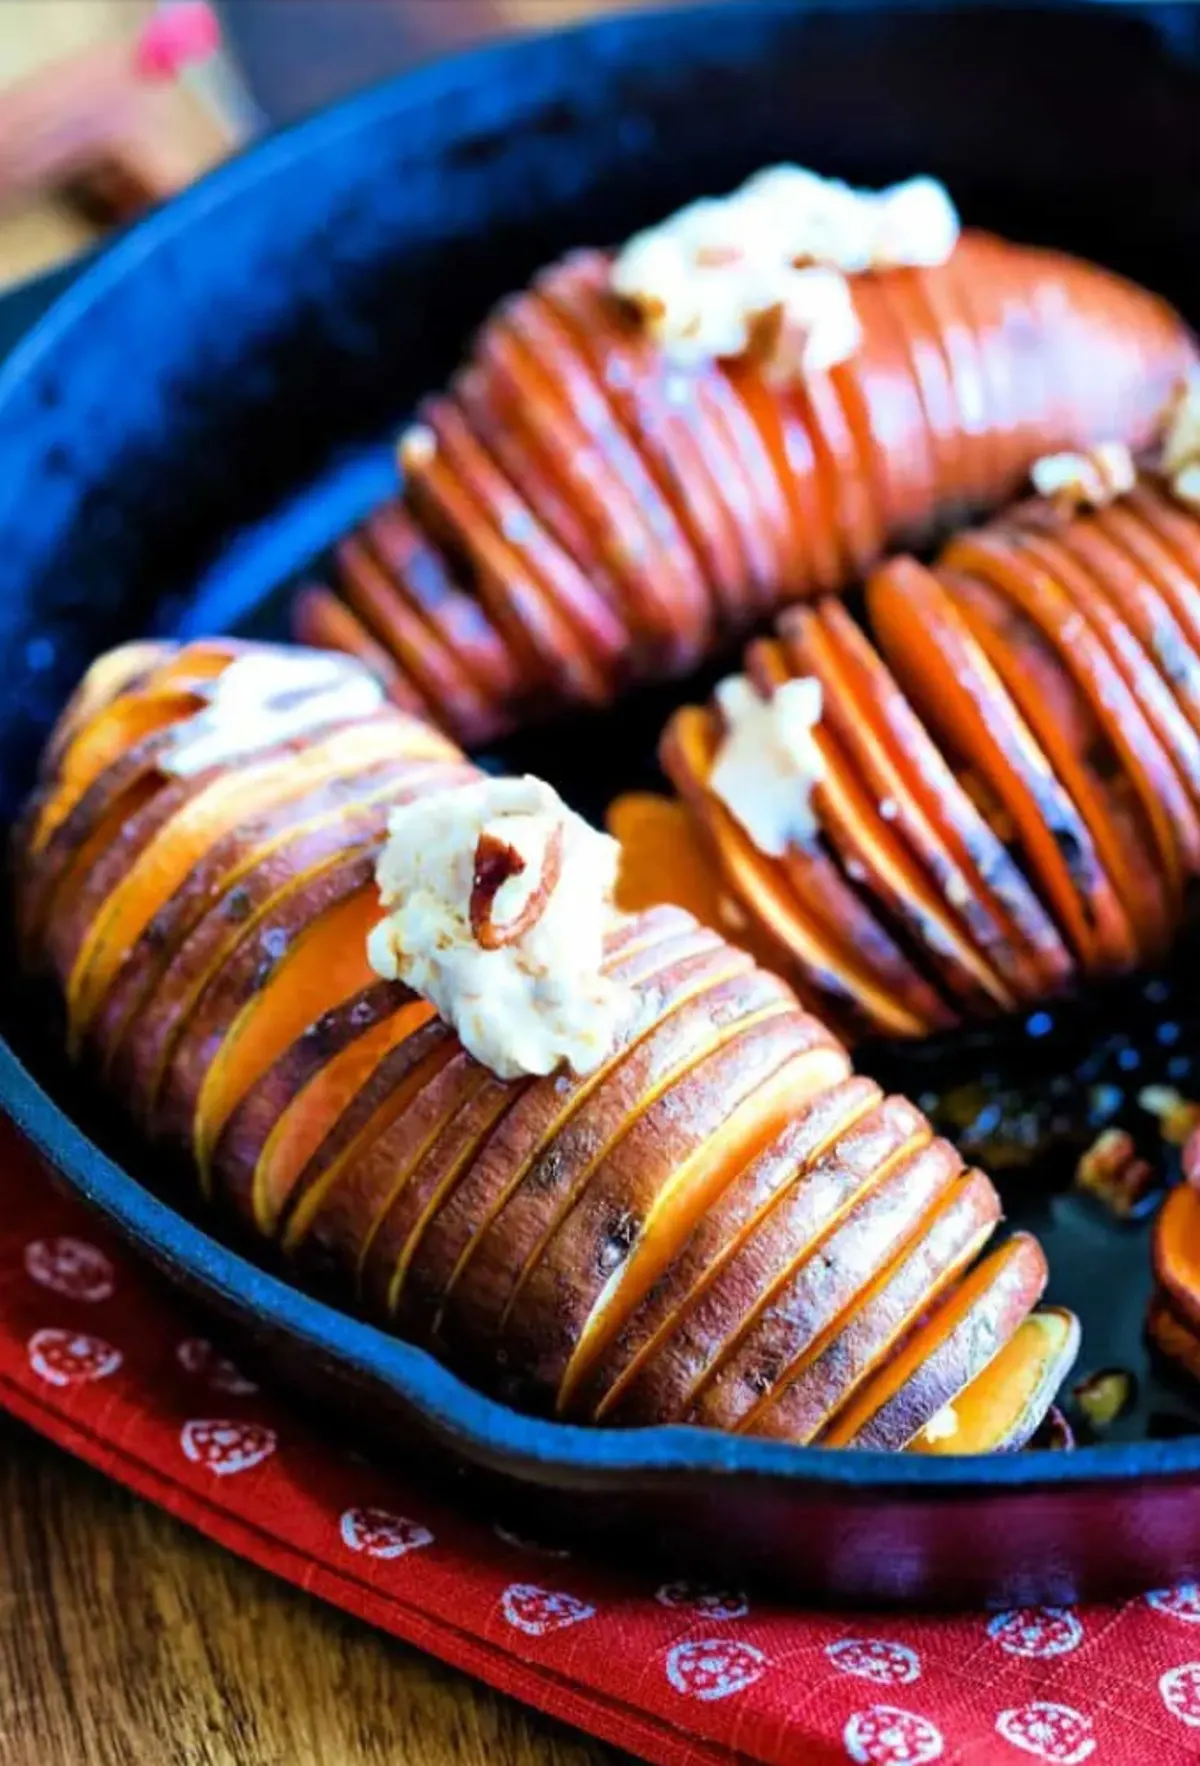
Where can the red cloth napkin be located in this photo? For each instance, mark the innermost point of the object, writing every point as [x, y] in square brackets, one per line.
[96, 1355]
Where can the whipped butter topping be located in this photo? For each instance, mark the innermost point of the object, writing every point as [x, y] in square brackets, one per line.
[498, 899]
[769, 763]
[765, 269]
[1181, 444]
[1088, 480]
[266, 697]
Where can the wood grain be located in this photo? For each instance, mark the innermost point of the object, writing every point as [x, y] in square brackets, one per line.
[127, 1640]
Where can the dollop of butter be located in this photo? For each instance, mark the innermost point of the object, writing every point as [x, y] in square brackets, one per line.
[769, 762]
[1181, 444]
[1090, 480]
[268, 696]
[943, 1426]
[764, 269]
[498, 899]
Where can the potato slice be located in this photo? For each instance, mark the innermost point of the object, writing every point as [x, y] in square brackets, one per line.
[821, 1283]
[1003, 1405]
[483, 1251]
[948, 677]
[843, 984]
[835, 1172]
[717, 1237]
[892, 754]
[946, 1351]
[1134, 914]
[822, 1379]
[1176, 1253]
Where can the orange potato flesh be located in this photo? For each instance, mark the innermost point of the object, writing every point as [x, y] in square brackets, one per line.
[327, 964]
[1132, 914]
[162, 867]
[1115, 706]
[663, 858]
[305, 1119]
[690, 1188]
[1176, 1252]
[890, 750]
[717, 1237]
[948, 677]
[1003, 1405]
[829, 1369]
[688, 751]
[946, 1350]
[485, 1258]
[823, 1281]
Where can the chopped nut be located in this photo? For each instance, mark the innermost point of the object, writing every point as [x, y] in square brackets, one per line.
[1089, 480]
[499, 862]
[1177, 1115]
[1180, 462]
[1105, 1396]
[1113, 1171]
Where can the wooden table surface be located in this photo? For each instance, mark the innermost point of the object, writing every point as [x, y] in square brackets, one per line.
[127, 1640]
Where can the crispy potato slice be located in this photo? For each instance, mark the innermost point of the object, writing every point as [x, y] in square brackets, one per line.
[829, 1369]
[1003, 1405]
[946, 1351]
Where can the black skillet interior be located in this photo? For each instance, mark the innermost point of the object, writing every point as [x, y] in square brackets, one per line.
[209, 405]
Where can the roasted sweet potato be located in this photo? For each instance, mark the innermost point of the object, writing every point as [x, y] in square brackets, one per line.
[689, 503]
[694, 1230]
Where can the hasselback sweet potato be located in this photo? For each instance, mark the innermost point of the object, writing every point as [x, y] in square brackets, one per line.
[1012, 731]
[721, 1223]
[578, 511]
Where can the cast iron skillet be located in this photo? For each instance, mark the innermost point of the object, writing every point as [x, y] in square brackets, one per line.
[206, 407]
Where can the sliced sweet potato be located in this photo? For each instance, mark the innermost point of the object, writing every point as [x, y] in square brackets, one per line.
[823, 1281]
[425, 660]
[663, 596]
[631, 1219]
[843, 985]
[231, 949]
[885, 409]
[326, 965]
[860, 834]
[1135, 915]
[932, 377]
[155, 856]
[953, 326]
[183, 1047]
[422, 574]
[890, 750]
[1165, 805]
[1168, 596]
[277, 1128]
[1177, 528]
[663, 858]
[484, 1252]
[598, 625]
[419, 1176]
[821, 1380]
[545, 645]
[464, 1256]
[1136, 625]
[1176, 1253]
[1173, 1336]
[1003, 1405]
[945, 1352]
[834, 1173]
[335, 806]
[662, 423]
[945, 673]
[717, 1237]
